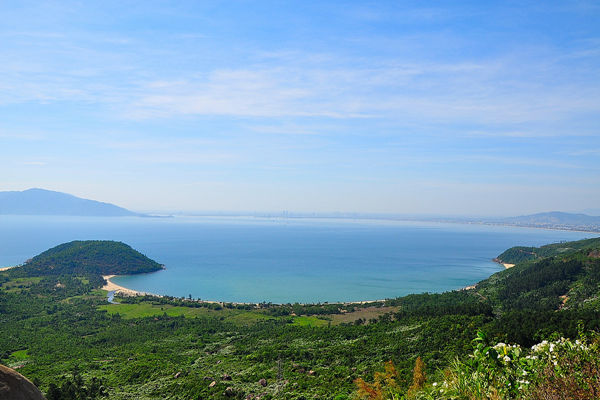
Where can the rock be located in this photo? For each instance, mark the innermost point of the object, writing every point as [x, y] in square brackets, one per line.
[177, 375]
[212, 384]
[14, 386]
[226, 377]
[262, 382]
[302, 370]
[312, 373]
[208, 378]
[229, 391]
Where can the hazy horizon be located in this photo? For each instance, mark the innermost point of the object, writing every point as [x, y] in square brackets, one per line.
[455, 108]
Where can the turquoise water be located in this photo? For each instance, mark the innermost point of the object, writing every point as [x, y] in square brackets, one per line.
[291, 260]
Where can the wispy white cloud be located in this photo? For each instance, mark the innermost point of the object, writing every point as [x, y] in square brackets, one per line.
[34, 163]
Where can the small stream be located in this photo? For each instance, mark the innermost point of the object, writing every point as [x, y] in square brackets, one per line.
[110, 296]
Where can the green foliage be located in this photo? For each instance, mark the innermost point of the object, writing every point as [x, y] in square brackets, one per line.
[519, 254]
[558, 369]
[76, 388]
[538, 285]
[164, 347]
[88, 257]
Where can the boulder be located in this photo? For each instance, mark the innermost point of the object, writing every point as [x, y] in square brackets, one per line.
[14, 386]
[262, 382]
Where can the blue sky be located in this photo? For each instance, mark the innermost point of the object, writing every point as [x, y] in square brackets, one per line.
[485, 108]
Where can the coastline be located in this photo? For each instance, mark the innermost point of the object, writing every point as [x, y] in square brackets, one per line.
[505, 265]
[113, 287]
[6, 268]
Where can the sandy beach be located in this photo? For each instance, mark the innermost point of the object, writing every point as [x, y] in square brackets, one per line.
[5, 268]
[111, 286]
[507, 265]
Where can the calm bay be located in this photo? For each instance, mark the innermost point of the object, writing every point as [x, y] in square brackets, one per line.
[249, 259]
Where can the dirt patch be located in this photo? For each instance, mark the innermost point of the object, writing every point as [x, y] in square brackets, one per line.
[365, 313]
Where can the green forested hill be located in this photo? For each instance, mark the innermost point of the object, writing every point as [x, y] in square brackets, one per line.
[173, 348]
[518, 254]
[562, 275]
[101, 257]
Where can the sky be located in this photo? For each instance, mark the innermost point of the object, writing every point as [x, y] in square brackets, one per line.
[438, 107]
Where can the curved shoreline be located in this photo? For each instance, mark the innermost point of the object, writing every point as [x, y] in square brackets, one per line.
[113, 287]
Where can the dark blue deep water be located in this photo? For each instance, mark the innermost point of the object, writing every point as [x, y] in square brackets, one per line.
[292, 260]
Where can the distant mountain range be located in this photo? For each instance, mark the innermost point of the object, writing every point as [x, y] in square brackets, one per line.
[47, 202]
[555, 219]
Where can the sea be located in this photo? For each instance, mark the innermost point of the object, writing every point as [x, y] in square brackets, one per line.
[286, 260]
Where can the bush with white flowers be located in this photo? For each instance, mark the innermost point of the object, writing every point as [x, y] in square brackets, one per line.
[507, 371]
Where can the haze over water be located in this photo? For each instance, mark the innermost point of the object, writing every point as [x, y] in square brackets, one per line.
[286, 260]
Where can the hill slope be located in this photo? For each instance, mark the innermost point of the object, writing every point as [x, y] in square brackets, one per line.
[89, 257]
[47, 202]
[518, 254]
[547, 278]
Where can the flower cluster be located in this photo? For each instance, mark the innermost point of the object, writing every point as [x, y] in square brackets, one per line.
[509, 371]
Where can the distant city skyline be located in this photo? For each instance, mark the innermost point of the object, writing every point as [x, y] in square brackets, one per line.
[446, 108]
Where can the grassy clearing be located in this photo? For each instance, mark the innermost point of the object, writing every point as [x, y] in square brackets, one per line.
[83, 280]
[19, 355]
[18, 284]
[146, 309]
[18, 358]
[309, 321]
[130, 311]
[364, 313]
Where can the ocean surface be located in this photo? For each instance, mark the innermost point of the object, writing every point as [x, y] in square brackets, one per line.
[247, 259]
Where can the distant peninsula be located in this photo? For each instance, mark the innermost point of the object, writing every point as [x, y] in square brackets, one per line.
[47, 202]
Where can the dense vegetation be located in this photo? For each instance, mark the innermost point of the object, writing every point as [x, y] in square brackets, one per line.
[558, 369]
[99, 257]
[518, 254]
[59, 330]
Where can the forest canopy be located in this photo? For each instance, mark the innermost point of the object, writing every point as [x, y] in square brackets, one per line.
[100, 257]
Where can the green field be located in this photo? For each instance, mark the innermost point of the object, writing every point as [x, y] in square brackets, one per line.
[60, 330]
[147, 309]
[19, 284]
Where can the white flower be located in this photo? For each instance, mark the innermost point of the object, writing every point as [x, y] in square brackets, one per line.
[434, 383]
[506, 358]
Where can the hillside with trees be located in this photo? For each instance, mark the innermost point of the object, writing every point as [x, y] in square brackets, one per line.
[518, 254]
[89, 257]
[163, 347]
